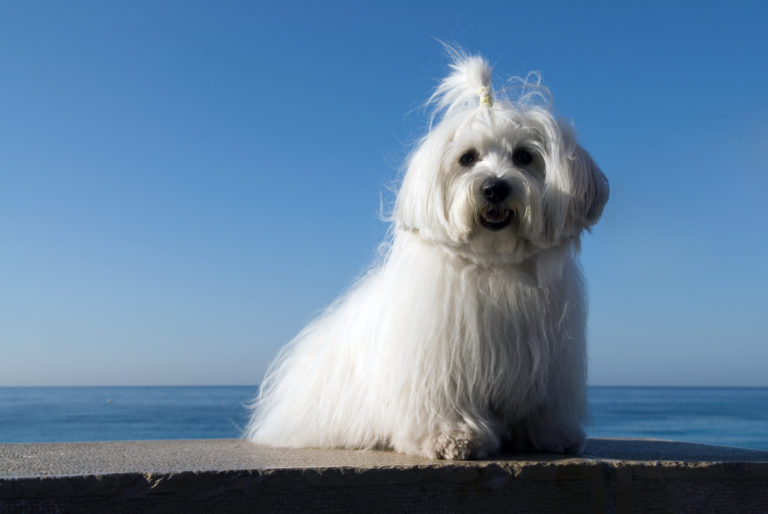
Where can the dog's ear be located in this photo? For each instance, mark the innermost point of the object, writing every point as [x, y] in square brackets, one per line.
[590, 187]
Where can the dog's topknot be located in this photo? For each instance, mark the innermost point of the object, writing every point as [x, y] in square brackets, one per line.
[467, 87]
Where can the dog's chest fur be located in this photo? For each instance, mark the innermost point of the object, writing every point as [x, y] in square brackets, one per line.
[499, 332]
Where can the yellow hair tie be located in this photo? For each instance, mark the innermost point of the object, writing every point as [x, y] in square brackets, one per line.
[485, 96]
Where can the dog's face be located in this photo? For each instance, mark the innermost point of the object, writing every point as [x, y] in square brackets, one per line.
[500, 183]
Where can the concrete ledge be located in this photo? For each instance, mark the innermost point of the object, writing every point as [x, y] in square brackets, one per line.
[232, 476]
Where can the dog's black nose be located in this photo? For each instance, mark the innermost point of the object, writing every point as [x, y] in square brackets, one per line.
[495, 190]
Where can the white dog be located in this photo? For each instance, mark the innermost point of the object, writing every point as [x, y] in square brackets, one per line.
[471, 331]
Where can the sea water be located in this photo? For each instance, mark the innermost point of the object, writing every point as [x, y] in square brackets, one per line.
[720, 416]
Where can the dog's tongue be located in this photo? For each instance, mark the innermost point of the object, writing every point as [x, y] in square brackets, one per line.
[496, 215]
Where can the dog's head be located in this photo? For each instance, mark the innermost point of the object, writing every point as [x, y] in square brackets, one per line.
[497, 179]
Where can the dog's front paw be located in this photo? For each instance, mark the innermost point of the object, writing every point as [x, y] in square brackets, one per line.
[456, 445]
[460, 443]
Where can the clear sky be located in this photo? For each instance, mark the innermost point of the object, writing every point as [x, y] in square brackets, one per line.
[183, 185]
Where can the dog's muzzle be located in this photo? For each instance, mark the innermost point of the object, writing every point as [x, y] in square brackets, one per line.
[497, 216]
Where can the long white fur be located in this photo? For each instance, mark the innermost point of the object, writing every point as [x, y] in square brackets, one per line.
[461, 338]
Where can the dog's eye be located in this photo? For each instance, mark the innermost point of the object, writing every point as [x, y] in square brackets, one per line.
[468, 159]
[522, 157]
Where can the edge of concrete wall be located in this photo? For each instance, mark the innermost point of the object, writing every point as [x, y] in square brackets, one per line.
[231, 475]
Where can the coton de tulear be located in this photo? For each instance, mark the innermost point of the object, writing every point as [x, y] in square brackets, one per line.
[470, 332]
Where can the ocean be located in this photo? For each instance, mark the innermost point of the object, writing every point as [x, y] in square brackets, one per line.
[735, 417]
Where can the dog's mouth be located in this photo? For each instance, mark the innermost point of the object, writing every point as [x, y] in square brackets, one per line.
[496, 218]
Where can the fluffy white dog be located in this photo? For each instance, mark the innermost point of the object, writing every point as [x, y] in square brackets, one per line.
[470, 333]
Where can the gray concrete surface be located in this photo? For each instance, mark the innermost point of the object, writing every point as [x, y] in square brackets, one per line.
[231, 475]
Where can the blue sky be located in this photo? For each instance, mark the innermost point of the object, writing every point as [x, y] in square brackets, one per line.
[183, 185]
